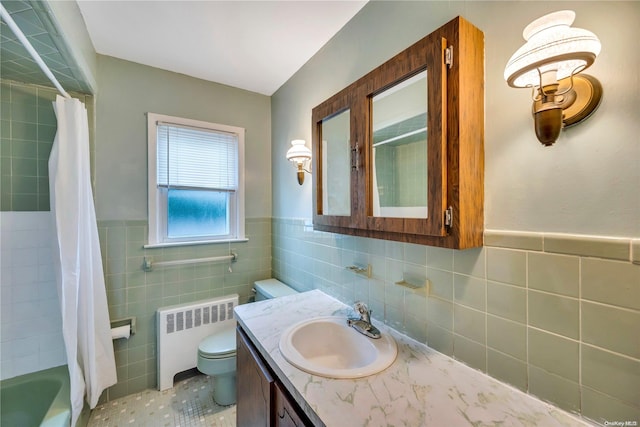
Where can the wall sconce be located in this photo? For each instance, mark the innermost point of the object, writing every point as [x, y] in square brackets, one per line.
[549, 63]
[300, 155]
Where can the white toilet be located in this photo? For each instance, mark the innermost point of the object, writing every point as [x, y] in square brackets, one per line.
[217, 358]
[271, 288]
[217, 352]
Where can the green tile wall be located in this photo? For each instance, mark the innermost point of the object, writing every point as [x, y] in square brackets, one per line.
[28, 127]
[131, 291]
[411, 171]
[557, 321]
[402, 174]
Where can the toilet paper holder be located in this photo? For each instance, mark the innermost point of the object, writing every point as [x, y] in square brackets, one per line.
[131, 321]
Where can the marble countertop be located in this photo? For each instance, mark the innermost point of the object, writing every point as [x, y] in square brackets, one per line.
[422, 387]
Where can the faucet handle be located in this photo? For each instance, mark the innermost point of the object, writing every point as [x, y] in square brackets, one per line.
[360, 307]
[363, 310]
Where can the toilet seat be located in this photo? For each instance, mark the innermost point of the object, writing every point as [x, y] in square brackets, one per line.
[219, 345]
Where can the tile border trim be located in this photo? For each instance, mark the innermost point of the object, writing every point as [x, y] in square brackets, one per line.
[617, 248]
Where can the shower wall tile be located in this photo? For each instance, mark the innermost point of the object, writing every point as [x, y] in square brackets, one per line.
[560, 324]
[28, 129]
[131, 291]
[31, 324]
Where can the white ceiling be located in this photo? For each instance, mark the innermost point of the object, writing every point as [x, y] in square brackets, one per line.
[253, 45]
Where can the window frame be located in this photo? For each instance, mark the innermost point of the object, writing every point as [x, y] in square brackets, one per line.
[157, 197]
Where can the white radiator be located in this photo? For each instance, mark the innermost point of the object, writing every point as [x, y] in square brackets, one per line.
[180, 329]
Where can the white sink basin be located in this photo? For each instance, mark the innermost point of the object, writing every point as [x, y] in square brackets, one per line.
[328, 347]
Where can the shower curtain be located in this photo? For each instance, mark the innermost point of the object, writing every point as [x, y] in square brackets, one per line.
[81, 288]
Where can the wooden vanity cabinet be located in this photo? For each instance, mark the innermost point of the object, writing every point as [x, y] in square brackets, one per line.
[286, 412]
[255, 386]
[453, 159]
[262, 400]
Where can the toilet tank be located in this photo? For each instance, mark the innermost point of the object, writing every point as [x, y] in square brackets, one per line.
[272, 288]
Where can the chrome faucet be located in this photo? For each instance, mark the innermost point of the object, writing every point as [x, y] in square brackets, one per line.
[363, 324]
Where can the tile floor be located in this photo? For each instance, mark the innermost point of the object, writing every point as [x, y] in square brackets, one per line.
[188, 404]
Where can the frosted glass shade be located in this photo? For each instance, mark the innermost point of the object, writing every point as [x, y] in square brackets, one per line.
[552, 45]
[298, 152]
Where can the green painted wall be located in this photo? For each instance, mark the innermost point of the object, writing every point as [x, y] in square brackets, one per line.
[586, 183]
[126, 92]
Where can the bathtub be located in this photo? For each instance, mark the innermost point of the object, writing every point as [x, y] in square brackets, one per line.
[37, 399]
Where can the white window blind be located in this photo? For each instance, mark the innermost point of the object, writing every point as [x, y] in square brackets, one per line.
[196, 158]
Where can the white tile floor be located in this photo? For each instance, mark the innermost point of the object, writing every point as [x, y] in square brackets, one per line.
[188, 404]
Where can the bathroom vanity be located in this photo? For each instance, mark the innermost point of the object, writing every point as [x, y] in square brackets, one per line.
[422, 387]
[262, 399]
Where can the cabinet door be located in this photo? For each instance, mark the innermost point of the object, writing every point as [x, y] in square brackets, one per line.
[254, 386]
[407, 142]
[380, 148]
[287, 412]
[339, 163]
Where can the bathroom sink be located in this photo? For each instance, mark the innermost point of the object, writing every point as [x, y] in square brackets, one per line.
[328, 347]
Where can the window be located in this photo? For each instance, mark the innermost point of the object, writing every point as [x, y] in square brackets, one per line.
[196, 181]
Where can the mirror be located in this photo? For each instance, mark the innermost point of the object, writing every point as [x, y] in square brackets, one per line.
[335, 164]
[399, 149]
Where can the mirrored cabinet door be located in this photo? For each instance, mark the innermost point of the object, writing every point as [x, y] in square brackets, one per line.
[399, 149]
[408, 138]
[336, 157]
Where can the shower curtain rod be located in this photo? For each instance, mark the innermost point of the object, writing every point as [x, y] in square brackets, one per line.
[20, 35]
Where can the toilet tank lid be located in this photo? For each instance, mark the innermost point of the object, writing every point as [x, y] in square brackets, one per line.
[220, 343]
[272, 288]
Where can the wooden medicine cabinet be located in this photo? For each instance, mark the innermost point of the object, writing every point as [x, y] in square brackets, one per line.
[399, 154]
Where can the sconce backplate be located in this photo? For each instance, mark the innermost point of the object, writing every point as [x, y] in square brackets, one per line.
[580, 102]
[588, 94]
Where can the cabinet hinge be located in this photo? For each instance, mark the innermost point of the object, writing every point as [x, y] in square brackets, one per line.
[448, 216]
[448, 56]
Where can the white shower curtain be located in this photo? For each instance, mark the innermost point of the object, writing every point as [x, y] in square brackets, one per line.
[81, 287]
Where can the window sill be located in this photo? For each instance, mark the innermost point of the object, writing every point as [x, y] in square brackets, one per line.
[199, 242]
